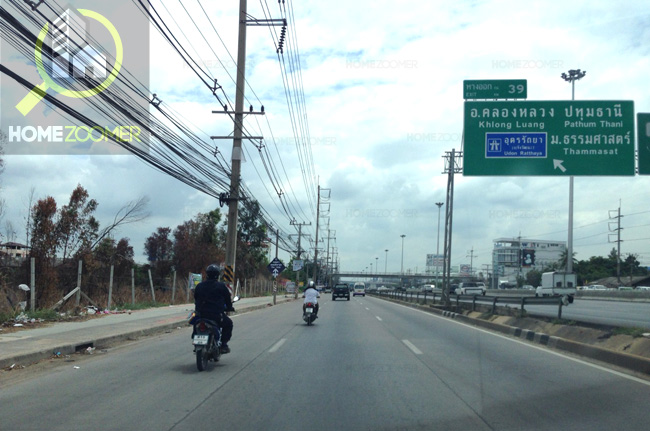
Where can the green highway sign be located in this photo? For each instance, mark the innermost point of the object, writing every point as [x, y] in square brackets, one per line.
[643, 128]
[495, 89]
[549, 138]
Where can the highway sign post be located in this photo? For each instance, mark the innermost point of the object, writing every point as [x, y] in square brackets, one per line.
[643, 128]
[495, 89]
[275, 267]
[549, 138]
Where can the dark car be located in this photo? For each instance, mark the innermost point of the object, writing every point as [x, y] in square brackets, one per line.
[341, 291]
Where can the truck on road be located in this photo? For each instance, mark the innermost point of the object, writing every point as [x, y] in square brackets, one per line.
[558, 283]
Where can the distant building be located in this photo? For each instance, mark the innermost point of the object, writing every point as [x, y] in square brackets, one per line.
[517, 256]
[14, 249]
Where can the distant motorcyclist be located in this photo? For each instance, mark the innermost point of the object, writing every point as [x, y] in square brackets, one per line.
[311, 295]
[212, 301]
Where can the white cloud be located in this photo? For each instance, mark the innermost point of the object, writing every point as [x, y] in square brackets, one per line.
[383, 87]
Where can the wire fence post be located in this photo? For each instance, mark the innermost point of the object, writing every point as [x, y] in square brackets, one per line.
[32, 284]
[110, 288]
[153, 292]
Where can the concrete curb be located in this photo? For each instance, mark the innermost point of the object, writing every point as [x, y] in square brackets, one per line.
[635, 363]
[102, 342]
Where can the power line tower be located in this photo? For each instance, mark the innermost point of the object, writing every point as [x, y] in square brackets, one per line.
[617, 240]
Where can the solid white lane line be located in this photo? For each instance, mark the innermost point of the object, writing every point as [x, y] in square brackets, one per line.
[412, 347]
[277, 345]
[378, 318]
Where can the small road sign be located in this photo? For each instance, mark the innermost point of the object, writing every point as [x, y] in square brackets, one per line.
[495, 89]
[276, 267]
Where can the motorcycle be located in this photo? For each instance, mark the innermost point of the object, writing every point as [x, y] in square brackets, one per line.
[308, 315]
[207, 342]
[206, 339]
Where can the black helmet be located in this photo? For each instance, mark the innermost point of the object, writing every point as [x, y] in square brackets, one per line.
[311, 284]
[213, 271]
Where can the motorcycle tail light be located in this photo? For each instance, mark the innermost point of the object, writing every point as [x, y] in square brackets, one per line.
[203, 327]
[309, 304]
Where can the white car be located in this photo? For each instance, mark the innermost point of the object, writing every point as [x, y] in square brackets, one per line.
[470, 288]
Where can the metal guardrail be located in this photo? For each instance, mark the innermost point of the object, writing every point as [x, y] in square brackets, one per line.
[436, 297]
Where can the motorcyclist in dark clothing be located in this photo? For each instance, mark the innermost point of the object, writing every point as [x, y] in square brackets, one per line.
[212, 301]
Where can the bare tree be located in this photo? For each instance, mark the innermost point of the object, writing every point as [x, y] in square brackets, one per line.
[132, 212]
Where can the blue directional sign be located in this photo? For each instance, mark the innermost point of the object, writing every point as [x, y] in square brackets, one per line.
[276, 267]
[515, 145]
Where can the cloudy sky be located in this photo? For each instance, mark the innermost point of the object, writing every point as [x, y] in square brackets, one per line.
[383, 100]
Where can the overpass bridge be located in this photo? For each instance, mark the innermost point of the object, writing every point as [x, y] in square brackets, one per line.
[385, 276]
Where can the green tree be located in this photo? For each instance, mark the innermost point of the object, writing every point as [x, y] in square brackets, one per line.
[534, 277]
[252, 241]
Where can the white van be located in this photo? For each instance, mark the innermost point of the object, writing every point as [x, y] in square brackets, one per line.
[359, 289]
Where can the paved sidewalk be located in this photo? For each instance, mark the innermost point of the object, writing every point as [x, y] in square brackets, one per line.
[31, 345]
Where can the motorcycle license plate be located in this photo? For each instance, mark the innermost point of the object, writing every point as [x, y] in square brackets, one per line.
[201, 340]
[309, 310]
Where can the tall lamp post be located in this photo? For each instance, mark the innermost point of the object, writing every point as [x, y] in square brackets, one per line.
[440, 204]
[402, 270]
[377, 266]
[386, 263]
[572, 77]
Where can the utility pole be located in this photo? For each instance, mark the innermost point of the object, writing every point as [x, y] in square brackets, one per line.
[232, 198]
[316, 246]
[300, 225]
[618, 240]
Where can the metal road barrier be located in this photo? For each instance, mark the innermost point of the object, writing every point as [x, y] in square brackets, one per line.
[436, 298]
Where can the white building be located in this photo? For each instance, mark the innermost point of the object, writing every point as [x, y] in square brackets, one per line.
[517, 256]
[14, 249]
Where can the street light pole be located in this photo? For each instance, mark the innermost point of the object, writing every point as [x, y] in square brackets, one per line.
[572, 77]
[402, 270]
[439, 204]
[386, 263]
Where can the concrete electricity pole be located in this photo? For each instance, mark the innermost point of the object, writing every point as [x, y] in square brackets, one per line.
[233, 196]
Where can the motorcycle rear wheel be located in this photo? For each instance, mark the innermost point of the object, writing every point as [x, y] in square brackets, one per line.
[201, 359]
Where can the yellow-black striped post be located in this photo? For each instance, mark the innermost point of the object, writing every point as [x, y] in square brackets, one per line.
[228, 274]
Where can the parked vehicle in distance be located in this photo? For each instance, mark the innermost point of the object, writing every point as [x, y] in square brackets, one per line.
[359, 289]
[453, 288]
[642, 288]
[558, 284]
[528, 287]
[428, 287]
[382, 289]
[341, 290]
[470, 288]
[596, 287]
[328, 289]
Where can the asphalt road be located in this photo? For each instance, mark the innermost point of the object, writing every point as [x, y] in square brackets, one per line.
[616, 313]
[366, 364]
